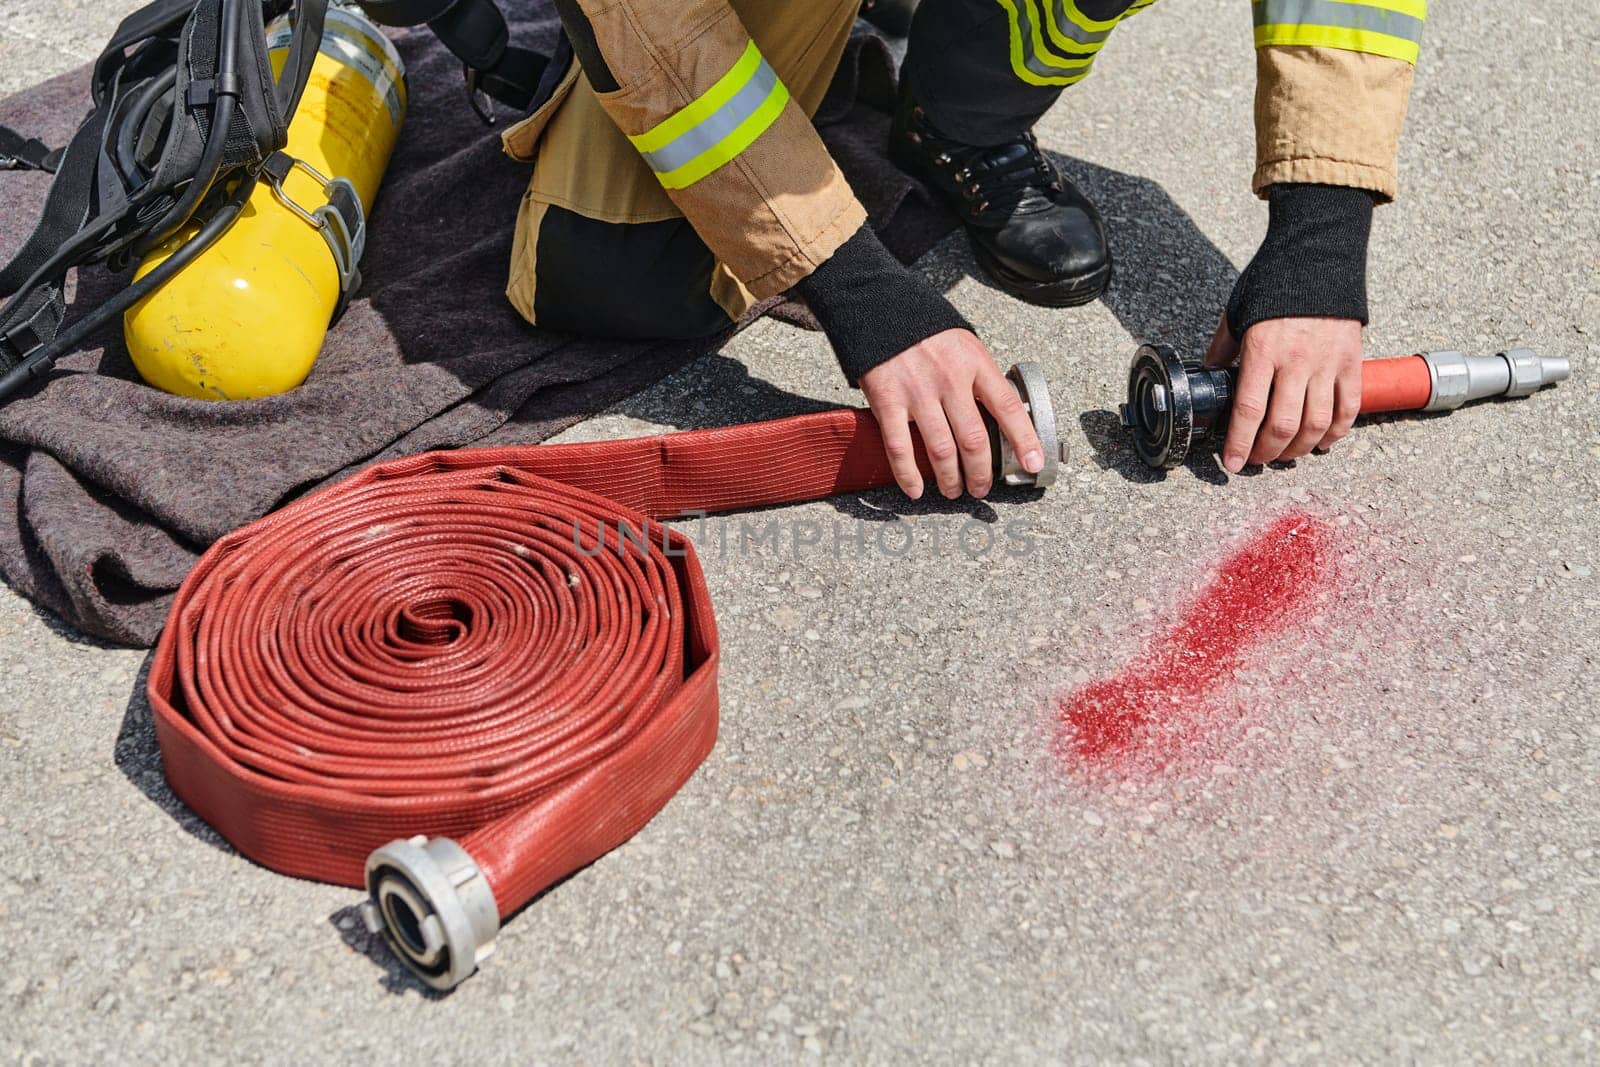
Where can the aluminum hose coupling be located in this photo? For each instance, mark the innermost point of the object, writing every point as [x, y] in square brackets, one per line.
[1516, 372]
[1028, 380]
[433, 906]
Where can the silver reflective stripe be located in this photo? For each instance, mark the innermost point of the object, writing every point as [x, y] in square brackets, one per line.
[1036, 63]
[1350, 16]
[1065, 27]
[714, 127]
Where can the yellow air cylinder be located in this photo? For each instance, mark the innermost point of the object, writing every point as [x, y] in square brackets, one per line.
[248, 317]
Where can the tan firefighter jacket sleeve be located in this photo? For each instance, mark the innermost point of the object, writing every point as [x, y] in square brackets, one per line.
[1329, 116]
[736, 154]
[1333, 78]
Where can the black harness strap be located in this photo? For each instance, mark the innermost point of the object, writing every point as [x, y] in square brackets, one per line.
[303, 47]
[66, 209]
[475, 32]
[24, 153]
[186, 110]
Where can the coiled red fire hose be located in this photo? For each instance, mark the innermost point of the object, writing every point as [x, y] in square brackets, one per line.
[493, 653]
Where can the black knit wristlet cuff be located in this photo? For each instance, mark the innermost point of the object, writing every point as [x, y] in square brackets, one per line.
[873, 307]
[1313, 261]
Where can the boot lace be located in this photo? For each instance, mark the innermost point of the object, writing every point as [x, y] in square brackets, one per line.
[999, 180]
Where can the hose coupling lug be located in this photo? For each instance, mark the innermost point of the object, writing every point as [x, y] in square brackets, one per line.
[1028, 380]
[433, 906]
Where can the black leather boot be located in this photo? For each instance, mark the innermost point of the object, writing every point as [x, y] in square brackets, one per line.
[1036, 235]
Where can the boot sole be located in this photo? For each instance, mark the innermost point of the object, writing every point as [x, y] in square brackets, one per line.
[1060, 293]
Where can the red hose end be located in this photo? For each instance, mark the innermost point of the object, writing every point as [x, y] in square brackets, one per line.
[1401, 384]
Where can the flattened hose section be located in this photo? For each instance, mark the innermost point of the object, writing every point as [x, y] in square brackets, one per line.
[463, 645]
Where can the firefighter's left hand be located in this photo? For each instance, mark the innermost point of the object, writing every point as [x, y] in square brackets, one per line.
[1299, 387]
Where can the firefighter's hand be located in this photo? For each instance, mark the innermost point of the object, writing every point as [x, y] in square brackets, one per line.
[1299, 387]
[938, 384]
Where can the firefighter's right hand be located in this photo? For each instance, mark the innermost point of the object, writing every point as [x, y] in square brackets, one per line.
[938, 384]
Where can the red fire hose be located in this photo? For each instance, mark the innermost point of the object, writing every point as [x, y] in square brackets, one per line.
[494, 653]
[1401, 384]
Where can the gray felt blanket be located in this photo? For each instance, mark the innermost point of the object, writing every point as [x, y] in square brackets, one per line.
[110, 489]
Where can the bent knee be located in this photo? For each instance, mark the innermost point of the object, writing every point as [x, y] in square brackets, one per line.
[635, 281]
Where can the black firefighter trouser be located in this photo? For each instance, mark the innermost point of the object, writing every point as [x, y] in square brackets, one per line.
[600, 249]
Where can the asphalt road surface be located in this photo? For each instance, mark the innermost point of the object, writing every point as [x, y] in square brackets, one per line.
[1377, 838]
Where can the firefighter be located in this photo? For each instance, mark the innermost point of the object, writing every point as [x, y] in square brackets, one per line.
[678, 179]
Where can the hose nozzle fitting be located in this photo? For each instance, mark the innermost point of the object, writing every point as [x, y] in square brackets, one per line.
[433, 906]
[1172, 404]
[1458, 378]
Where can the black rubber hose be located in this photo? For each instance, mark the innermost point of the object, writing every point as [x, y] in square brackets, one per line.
[132, 127]
[39, 364]
[216, 142]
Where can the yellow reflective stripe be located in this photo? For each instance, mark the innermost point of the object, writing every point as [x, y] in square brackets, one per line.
[730, 146]
[1369, 41]
[1070, 63]
[707, 104]
[1053, 43]
[1085, 21]
[1417, 9]
[1391, 28]
[1020, 55]
[1088, 44]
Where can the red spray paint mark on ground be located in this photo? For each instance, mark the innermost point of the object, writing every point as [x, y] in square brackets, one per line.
[1259, 593]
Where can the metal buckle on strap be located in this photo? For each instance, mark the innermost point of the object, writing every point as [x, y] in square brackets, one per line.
[30, 153]
[18, 343]
[341, 219]
[477, 96]
[21, 338]
[39, 161]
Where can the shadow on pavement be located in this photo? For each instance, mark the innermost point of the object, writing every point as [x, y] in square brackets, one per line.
[138, 757]
[1170, 281]
[1114, 452]
[396, 977]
